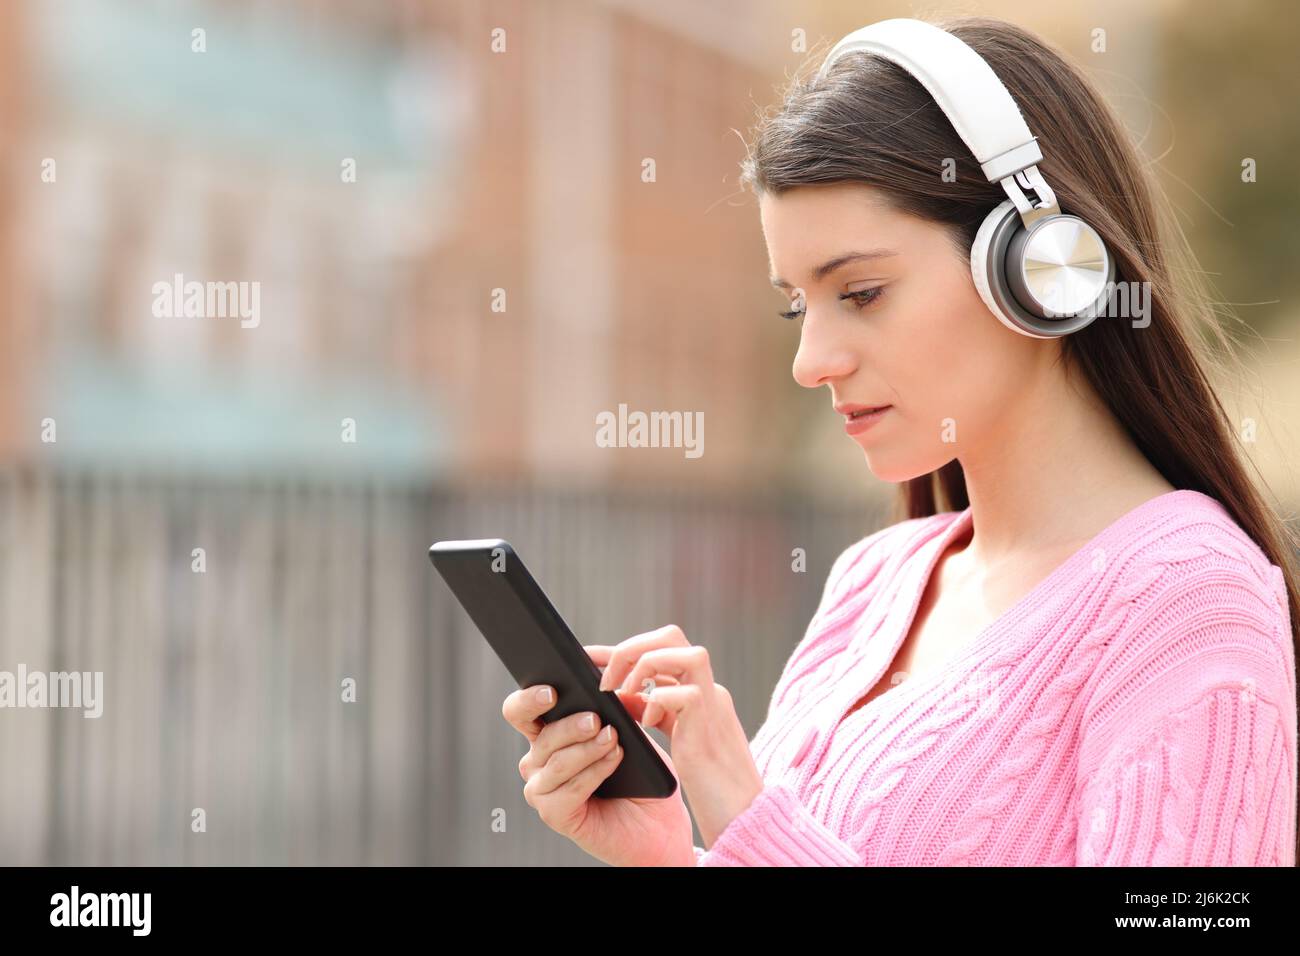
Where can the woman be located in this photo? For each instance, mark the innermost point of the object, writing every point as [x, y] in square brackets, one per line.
[1088, 658]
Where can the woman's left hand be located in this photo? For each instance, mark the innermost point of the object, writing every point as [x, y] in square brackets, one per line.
[709, 747]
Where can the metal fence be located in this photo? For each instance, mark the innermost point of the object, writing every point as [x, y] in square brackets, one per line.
[226, 616]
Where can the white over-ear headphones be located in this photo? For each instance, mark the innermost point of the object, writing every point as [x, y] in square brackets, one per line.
[1043, 273]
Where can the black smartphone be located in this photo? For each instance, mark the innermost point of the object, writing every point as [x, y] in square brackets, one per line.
[537, 647]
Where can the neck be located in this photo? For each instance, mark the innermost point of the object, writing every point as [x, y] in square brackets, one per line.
[1057, 469]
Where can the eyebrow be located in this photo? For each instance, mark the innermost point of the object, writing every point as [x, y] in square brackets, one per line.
[826, 268]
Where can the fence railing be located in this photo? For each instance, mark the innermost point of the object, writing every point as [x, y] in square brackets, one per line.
[225, 618]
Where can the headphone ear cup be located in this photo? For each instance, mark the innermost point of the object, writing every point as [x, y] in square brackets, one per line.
[980, 266]
[999, 241]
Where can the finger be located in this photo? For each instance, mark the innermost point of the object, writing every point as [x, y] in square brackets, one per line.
[567, 762]
[523, 708]
[626, 654]
[600, 653]
[602, 658]
[560, 803]
[672, 702]
[556, 735]
[674, 665]
[634, 704]
[656, 716]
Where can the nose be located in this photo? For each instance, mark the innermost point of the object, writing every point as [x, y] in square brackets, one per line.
[824, 354]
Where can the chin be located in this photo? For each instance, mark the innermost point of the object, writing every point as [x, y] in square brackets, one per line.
[890, 469]
[886, 470]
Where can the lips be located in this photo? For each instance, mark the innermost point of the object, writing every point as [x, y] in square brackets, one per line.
[850, 410]
[859, 419]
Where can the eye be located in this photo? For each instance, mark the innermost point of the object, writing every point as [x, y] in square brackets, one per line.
[864, 297]
[800, 306]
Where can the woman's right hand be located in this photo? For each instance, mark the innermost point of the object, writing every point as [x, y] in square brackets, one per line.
[567, 761]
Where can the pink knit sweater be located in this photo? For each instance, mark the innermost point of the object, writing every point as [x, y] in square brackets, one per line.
[1137, 708]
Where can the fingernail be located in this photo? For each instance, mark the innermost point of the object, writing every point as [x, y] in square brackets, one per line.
[606, 733]
[587, 722]
[545, 695]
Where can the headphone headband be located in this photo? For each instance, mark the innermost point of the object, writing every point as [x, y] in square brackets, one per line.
[1046, 275]
[970, 94]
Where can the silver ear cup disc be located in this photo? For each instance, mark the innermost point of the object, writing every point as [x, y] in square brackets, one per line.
[1059, 267]
[996, 264]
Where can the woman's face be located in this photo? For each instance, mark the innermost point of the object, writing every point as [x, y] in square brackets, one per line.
[922, 342]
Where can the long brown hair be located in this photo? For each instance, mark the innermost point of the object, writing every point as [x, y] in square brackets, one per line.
[869, 121]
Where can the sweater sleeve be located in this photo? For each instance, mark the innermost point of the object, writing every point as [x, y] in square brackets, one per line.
[1213, 785]
[1189, 746]
[777, 830]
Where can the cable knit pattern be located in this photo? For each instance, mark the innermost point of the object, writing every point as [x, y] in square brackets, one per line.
[1137, 707]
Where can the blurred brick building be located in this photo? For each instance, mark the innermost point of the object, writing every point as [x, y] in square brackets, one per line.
[496, 146]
